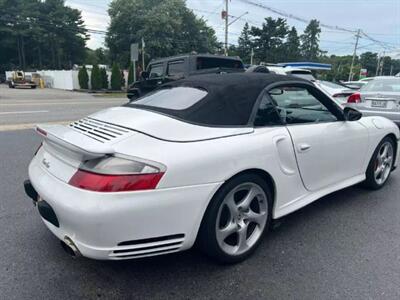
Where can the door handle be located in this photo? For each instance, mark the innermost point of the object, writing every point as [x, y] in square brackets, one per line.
[304, 147]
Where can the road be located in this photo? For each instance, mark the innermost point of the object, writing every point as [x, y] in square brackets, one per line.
[22, 108]
[344, 246]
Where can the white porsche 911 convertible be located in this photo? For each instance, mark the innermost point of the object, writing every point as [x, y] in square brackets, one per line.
[210, 159]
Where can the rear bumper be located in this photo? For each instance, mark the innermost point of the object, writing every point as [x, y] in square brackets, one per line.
[123, 225]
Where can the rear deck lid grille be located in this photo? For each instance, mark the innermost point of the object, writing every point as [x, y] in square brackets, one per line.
[99, 130]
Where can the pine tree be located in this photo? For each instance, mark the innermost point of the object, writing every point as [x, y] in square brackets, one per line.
[292, 45]
[95, 78]
[83, 78]
[310, 41]
[116, 77]
[245, 44]
[104, 78]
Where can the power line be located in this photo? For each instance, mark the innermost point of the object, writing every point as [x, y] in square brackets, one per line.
[291, 16]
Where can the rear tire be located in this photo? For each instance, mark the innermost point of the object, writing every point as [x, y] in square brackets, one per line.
[236, 219]
[380, 165]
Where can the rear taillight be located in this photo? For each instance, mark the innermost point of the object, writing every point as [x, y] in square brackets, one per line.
[115, 174]
[114, 183]
[354, 98]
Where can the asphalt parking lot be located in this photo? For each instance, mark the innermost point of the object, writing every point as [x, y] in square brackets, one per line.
[22, 108]
[344, 246]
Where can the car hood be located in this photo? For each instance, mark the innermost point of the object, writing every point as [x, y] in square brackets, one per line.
[164, 127]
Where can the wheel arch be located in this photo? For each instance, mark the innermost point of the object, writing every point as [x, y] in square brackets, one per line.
[394, 139]
[262, 173]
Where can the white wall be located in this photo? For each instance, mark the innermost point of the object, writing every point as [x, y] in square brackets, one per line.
[64, 79]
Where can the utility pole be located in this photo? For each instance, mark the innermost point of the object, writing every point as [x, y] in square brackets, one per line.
[354, 55]
[382, 62]
[143, 67]
[377, 65]
[226, 27]
[251, 56]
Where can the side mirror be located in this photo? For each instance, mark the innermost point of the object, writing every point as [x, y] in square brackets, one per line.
[351, 114]
[144, 75]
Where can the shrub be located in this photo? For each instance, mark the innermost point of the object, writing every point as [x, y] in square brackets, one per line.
[83, 78]
[130, 74]
[116, 78]
[95, 78]
[104, 78]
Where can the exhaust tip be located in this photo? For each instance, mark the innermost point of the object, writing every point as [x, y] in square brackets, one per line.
[68, 245]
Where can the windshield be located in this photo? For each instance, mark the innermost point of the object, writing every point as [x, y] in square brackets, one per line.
[177, 98]
[382, 85]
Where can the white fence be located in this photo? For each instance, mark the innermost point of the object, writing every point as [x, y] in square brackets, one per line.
[62, 79]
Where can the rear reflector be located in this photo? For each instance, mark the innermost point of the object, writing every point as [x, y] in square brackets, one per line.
[114, 183]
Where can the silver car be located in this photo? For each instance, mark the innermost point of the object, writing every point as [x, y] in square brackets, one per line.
[380, 97]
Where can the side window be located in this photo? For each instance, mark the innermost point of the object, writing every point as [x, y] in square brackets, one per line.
[267, 114]
[156, 71]
[176, 68]
[296, 105]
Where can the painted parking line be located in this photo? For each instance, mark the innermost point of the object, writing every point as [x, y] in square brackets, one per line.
[23, 112]
[64, 103]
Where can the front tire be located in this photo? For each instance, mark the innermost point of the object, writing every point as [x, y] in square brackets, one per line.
[380, 165]
[236, 219]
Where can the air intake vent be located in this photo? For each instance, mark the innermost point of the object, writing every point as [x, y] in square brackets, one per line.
[98, 130]
[147, 247]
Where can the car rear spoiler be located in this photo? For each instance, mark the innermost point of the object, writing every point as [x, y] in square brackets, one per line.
[67, 138]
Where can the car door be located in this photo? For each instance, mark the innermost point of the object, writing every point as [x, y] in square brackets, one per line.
[328, 149]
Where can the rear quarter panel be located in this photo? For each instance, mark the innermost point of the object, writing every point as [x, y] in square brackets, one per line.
[217, 160]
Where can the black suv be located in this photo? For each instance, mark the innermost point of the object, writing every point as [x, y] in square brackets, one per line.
[172, 68]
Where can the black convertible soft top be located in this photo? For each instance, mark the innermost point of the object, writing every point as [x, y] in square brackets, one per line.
[229, 101]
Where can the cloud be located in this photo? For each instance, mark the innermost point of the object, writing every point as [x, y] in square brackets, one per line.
[381, 19]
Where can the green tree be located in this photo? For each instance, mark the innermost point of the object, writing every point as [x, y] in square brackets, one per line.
[130, 74]
[95, 78]
[167, 26]
[269, 40]
[369, 61]
[292, 45]
[104, 78]
[116, 78]
[310, 41]
[245, 44]
[40, 34]
[83, 78]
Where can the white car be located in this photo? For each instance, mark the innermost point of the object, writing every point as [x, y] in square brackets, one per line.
[211, 158]
[339, 92]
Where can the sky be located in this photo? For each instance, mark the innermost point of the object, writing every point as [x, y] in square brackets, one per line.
[379, 19]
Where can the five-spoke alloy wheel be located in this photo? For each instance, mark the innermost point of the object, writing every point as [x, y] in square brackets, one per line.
[236, 219]
[381, 164]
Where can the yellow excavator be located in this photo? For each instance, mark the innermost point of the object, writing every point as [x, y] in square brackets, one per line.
[19, 79]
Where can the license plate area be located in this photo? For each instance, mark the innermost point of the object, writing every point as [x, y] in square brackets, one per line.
[377, 103]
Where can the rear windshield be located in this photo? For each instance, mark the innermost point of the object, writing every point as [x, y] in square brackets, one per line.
[382, 85]
[215, 62]
[303, 74]
[176, 98]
